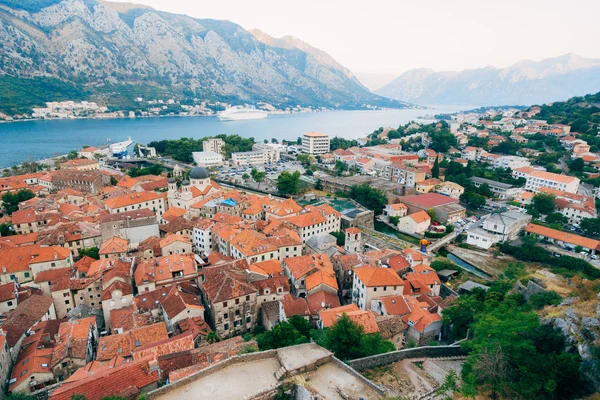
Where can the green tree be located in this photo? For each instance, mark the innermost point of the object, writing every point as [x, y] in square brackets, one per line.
[301, 325]
[545, 298]
[473, 199]
[435, 170]
[484, 190]
[72, 155]
[212, 337]
[275, 141]
[245, 177]
[288, 183]
[305, 159]
[258, 176]
[371, 198]
[340, 167]
[394, 220]
[344, 339]
[10, 200]
[556, 218]
[283, 334]
[432, 214]
[543, 203]
[90, 252]
[577, 165]
[340, 237]
[591, 226]
[6, 230]
[319, 185]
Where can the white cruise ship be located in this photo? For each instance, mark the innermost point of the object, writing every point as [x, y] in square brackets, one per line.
[241, 113]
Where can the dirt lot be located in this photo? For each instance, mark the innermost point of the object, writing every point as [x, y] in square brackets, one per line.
[412, 379]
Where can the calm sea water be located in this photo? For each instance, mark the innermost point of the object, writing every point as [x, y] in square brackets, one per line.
[34, 140]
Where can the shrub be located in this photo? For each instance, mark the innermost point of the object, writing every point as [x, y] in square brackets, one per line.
[545, 298]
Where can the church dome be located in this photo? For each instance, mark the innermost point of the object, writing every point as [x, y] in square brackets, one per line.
[172, 180]
[185, 183]
[198, 173]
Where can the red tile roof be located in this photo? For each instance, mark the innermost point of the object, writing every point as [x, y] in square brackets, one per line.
[378, 276]
[27, 313]
[124, 380]
[125, 343]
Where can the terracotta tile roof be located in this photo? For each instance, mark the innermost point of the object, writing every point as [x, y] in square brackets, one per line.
[251, 243]
[114, 245]
[173, 213]
[295, 306]
[73, 339]
[177, 301]
[18, 240]
[378, 276]
[553, 177]
[132, 199]
[394, 304]
[398, 263]
[427, 278]
[151, 243]
[7, 292]
[25, 316]
[269, 267]
[30, 361]
[316, 300]
[366, 319]
[104, 264]
[331, 315]
[348, 261]
[150, 300]
[125, 343]
[163, 268]
[303, 265]
[420, 216]
[176, 344]
[307, 219]
[315, 134]
[16, 259]
[286, 207]
[123, 380]
[127, 318]
[272, 284]
[563, 236]
[197, 326]
[227, 281]
[123, 287]
[321, 277]
[173, 238]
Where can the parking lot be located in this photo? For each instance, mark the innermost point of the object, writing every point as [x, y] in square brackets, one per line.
[235, 174]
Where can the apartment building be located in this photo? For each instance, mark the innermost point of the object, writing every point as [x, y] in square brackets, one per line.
[537, 179]
[213, 145]
[406, 175]
[315, 143]
[265, 156]
[84, 181]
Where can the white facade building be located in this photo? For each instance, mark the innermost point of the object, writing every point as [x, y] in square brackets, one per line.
[315, 143]
[214, 145]
[207, 158]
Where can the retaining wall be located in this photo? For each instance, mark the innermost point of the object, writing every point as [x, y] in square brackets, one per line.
[361, 364]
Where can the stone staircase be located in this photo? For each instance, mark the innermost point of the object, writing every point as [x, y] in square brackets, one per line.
[280, 373]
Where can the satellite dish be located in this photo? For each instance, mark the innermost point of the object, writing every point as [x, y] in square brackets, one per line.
[322, 304]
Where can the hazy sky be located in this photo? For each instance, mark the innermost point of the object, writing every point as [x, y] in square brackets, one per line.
[392, 36]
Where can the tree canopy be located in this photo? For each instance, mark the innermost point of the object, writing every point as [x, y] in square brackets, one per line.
[10, 200]
[288, 183]
[371, 198]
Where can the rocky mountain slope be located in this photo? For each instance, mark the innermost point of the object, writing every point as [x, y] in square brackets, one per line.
[524, 83]
[96, 45]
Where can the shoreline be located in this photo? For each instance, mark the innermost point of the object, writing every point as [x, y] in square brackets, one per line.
[201, 115]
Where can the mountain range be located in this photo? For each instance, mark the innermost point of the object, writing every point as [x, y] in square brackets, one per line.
[106, 50]
[524, 83]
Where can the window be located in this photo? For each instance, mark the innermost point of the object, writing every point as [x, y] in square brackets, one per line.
[67, 302]
[237, 313]
[237, 301]
[224, 304]
[9, 303]
[65, 294]
[248, 319]
[225, 316]
[12, 277]
[226, 327]
[247, 298]
[26, 274]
